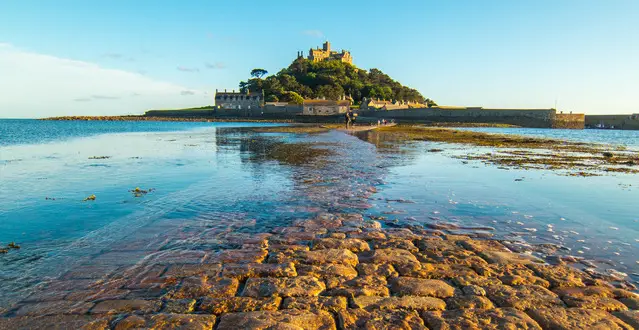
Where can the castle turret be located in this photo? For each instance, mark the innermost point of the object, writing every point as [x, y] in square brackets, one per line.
[327, 47]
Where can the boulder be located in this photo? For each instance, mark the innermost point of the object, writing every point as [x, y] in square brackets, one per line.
[576, 318]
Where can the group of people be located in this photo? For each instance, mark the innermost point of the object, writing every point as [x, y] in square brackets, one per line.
[350, 118]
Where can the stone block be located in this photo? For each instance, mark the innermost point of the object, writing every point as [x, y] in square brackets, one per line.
[319, 257]
[411, 286]
[361, 319]
[395, 303]
[388, 256]
[284, 319]
[352, 244]
[468, 302]
[560, 276]
[201, 286]
[219, 306]
[523, 297]
[384, 270]
[324, 272]
[179, 306]
[576, 318]
[55, 322]
[283, 287]
[244, 271]
[53, 307]
[126, 306]
[359, 286]
[237, 256]
[498, 318]
[330, 304]
[186, 270]
[167, 321]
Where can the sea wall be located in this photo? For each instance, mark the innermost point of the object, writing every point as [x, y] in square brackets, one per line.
[542, 118]
[624, 122]
[570, 121]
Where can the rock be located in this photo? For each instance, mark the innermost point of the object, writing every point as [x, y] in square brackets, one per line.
[594, 302]
[179, 306]
[243, 271]
[195, 287]
[384, 270]
[167, 257]
[238, 256]
[126, 306]
[576, 318]
[219, 306]
[473, 290]
[327, 271]
[388, 256]
[320, 257]
[359, 286]
[480, 246]
[186, 270]
[322, 221]
[285, 319]
[395, 303]
[632, 303]
[53, 307]
[367, 235]
[468, 302]
[503, 258]
[560, 276]
[498, 318]
[330, 304]
[376, 319]
[524, 280]
[283, 287]
[55, 322]
[352, 244]
[97, 294]
[523, 297]
[476, 280]
[167, 321]
[402, 244]
[437, 271]
[410, 286]
[629, 317]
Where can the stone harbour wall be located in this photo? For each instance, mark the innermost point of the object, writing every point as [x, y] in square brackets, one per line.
[542, 118]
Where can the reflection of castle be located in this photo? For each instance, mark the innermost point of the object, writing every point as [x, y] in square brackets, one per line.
[326, 54]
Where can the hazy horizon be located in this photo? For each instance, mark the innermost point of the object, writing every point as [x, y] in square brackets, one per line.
[120, 57]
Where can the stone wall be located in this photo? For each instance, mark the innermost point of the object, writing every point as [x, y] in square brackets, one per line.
[291, 109]
[570, 121]
[542, 118]
[625, 122]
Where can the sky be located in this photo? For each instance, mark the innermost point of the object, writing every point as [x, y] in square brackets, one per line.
[117, 57]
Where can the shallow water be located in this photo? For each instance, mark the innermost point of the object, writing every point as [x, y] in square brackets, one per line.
[614, 137]
[207, 178]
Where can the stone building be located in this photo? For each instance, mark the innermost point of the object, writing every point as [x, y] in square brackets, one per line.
[325, 107]
[377, 104]
[326, 54]
[238, 100]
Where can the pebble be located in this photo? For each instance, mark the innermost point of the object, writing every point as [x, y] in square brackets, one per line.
[614, 228]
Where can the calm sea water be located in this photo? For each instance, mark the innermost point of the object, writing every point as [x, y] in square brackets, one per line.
[615, 137]
[208, 172]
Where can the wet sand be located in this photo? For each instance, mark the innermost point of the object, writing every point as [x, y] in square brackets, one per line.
[332, 270]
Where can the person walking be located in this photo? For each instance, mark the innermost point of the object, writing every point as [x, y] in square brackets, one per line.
[347, 119]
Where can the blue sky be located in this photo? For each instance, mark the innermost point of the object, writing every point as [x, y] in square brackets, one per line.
[120, 57]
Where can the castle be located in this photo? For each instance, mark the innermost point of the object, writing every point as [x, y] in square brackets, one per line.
[326, 54]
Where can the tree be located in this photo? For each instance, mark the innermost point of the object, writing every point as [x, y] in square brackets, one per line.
[292, 97]
[329, 79]
[258, 73]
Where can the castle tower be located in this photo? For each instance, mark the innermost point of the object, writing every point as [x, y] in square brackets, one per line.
[327, 47]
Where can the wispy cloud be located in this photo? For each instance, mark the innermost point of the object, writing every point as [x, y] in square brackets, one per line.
[68, 86]
[216, 65]
[313, 33]
[186, 69]
[185, 93]
[104, 97]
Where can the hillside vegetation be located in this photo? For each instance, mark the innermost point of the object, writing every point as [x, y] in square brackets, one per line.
[305, 79]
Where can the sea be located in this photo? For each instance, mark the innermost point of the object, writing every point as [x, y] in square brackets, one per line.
[161, 174]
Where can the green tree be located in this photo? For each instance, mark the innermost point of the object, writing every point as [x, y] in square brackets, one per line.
[258, 73]
[292, 97]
